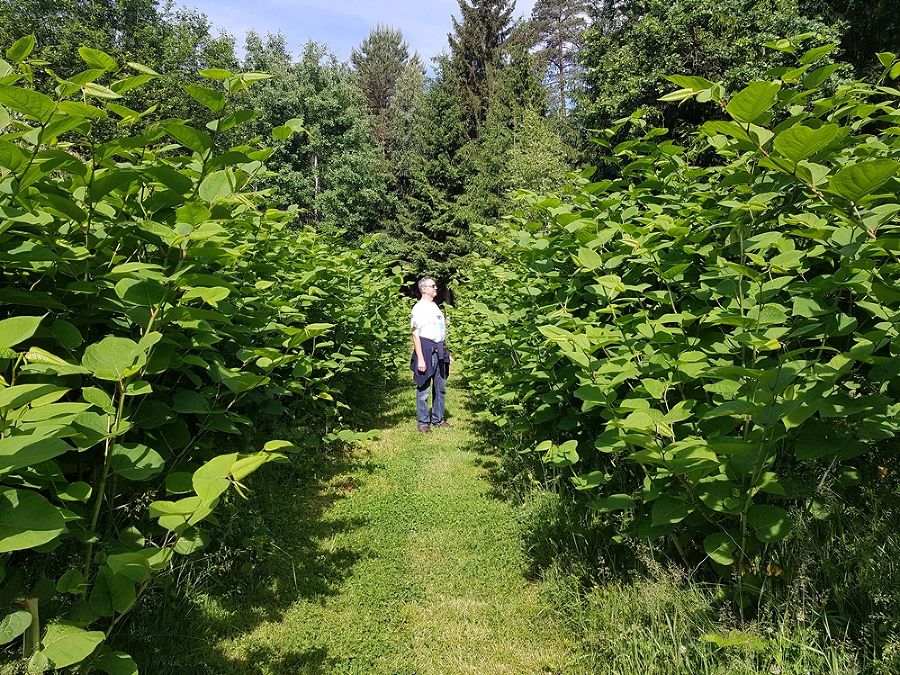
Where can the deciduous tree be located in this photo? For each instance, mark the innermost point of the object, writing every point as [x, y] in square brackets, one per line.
[633, 46]
[332, 172]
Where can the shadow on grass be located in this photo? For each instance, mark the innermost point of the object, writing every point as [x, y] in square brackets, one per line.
[313, 661]
[382, 406]
[268, 552]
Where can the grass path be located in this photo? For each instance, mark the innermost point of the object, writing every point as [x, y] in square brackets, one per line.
[431, 577]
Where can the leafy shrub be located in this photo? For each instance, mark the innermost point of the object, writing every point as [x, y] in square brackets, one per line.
[151, 310]
[705, 348]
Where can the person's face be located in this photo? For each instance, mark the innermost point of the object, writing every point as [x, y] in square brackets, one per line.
[429, 289]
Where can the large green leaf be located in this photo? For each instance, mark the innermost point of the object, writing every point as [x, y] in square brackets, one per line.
[617, 502]
[189, 137]
[135, 461]
[589, 258]
[247, 464]
[99, 91]
[18, 329]
[215, 73]
[667, 510]
[98, 59]
[752, 101]
[187, 401]
[13, 625]
[772, 523]
[12, 158]
[720, 547]
[144, 292]
[134, 565]
[21, 394]
[115, 663]
[564, 454]
[212, 479]
[858, 180]
[65, 645]
[20, 49]
[27, 520]
[24, 450]
[217, 186]
[211, 98]
[112, 593]
[112, 358]
[799, 142]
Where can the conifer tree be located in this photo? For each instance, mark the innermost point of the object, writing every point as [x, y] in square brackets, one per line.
[476, 49]
[559, 27]
[378, 62]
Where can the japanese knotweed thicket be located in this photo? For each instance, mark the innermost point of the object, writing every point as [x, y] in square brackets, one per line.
[704, 349]
[151, 310]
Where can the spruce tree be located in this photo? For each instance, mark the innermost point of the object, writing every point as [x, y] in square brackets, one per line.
[476, 50]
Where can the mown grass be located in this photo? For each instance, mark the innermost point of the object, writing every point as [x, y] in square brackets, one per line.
[392, 559]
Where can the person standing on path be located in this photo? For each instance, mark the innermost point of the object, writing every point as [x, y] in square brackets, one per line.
[430, 359]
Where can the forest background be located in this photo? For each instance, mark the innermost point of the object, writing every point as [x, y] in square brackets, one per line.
[417, 148]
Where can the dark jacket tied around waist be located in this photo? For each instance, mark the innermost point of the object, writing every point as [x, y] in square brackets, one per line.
[430, 347]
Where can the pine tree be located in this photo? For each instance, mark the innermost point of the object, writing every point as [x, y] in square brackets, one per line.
[559, 27]
[476, 49]
[378, 62]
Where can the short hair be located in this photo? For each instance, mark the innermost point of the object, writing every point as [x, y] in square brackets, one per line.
[423, 281]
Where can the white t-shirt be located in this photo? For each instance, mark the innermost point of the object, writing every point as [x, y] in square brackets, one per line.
[429, 319]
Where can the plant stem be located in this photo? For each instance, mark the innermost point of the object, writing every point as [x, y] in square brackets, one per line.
[104, 475]
[31, 640]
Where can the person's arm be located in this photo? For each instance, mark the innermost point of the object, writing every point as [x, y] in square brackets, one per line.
[417, 345]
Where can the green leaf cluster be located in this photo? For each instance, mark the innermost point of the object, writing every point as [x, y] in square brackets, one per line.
[153, 309]
[716, 341]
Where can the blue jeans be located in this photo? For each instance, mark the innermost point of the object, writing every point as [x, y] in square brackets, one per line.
[437, 386]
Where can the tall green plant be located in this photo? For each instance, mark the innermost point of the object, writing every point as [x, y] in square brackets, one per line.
[704, 348]
[152, 309]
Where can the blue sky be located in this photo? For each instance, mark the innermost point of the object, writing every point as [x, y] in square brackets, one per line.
[341, 24]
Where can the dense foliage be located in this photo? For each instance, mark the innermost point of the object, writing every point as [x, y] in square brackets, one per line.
[152, 309]
[175, 41]
[331, 173]
[627, 56]
[699, 339]
[868, 26]
[710, 353]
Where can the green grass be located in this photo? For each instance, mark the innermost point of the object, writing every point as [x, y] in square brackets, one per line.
[395, 560]
[633, 611]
